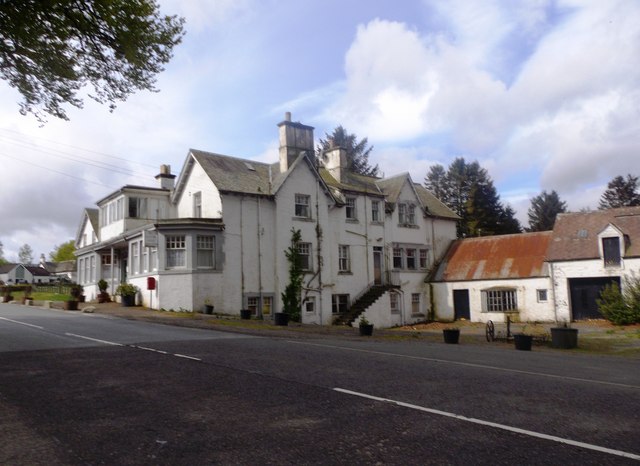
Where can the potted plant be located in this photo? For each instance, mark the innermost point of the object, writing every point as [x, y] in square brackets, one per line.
[523, 341]
[366, 328]
[245, 314]
[75, 292]
[127, 293]
[281, 318]
[208, 307]
[564, 337]
[103, 296]
[451, 335]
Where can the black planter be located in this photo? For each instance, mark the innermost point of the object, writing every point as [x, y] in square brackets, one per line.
[245, 314]
[128, 300]
[280, 318]
[70, 305]
[208, 309]
[564, 338]
[366, 330]
[451, 335]
[523, 342]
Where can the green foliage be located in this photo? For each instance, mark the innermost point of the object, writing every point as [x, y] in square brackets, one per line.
[25, 254]
[63, 252]
[291, 295]
[544, 209]
[50, 50]
[2, 259]
[621, 308]
[467, 189]
[126, 289]
[357, 151]
[620, 193]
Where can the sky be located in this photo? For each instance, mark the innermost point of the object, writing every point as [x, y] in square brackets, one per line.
[543, 94]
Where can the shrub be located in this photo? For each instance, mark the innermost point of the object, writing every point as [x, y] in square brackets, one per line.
[621, 307]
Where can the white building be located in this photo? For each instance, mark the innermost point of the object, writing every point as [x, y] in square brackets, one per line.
[220, 232]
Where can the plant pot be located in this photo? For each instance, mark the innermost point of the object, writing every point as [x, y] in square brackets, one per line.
[208, 309]
[281, 318]
[7, 299]
[128, 300]
[564, 338]
[451, 335]
[523, 342]
[103, 297]
[366, 330]
[245, 314]
[71, 305]
[81, 298]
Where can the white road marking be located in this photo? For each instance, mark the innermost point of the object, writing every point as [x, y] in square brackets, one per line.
[22, 323]
[495, 425]
[94, 339]
[150, 349]
[469, 364]
[186, 357]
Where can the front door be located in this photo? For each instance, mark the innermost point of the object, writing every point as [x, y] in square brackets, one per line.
[377, 265]
[461, 308]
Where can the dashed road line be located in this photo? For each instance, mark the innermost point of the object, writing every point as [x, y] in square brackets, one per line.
[517, 430]
[186, 357]
[113, 343]
[22, 323]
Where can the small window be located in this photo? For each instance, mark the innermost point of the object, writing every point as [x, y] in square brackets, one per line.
[423, 258]
[267, 303]
[402, 214]
[375, 211]
[310, 305]
[397, 258]
[197, 205]
[205, 252]
[415, 303]
[302, 208]
[394, 302]
[344, 261]
[176, 252]
[252, 304]
[351, 208]
[542, 296]
[411, 259]
[304, 251]
[339, 303]
[406, 214]
[611, 251]
[137, 207]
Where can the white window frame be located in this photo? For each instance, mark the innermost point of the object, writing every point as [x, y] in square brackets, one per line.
[411, 259]
[206, 251]
[304, 251]
[542, 295]
[394, 303]
[176, 252]
[310, 305]
[423, 258]
[351, 211]
[344, 259]
[416, 303]
[139, 207]
[302, 206]
[500, 300]
[197, 205]
[135, 258]
[398, 256]
[339, 303]
[375, 211]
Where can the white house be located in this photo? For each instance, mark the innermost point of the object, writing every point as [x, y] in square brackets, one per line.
[219, 233]
[15, 274]
[588, 251]
[488, 278]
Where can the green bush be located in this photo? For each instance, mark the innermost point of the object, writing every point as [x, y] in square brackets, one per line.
[621, 308]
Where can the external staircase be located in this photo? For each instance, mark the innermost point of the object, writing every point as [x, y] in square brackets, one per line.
[362, 303]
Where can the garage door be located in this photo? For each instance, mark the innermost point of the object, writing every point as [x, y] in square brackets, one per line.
[584, 293]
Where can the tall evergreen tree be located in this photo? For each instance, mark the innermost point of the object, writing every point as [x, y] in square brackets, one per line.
[357, 151]
[543, 211]
[436, 182]
[620, 192]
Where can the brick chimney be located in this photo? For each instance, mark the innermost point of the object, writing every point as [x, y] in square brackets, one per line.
[335, 161]
[294, 139]
[165, 177]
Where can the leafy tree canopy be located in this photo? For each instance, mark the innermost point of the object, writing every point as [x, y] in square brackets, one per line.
[544, 209]
[621, 192]
[63, 252]
[357, 151]
[2, 259]
[25, 254]
[467, 189]
[49, 50]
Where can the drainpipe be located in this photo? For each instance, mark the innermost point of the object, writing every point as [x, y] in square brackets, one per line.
[319, 248]
[553, 292]
[259, 311]
[112, 272]
[241, 255]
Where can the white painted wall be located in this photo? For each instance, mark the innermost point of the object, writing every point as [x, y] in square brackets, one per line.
[199, 181]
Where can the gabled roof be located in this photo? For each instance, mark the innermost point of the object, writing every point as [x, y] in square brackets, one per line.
[93, 217]
[37, 271]
[575, 235]
[495, 257]
[6, 268]
[352, 182]
[433, 205]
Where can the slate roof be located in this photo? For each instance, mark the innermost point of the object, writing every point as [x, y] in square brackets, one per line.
[37, 271]
[6, 268]
[575, 235]
[495, 257]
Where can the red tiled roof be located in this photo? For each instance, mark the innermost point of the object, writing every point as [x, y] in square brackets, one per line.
[575, 235]
[495, 257]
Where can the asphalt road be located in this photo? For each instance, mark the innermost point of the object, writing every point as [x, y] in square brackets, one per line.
[89, 389]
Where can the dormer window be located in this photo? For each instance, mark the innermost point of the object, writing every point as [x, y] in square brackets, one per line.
[611, 251]
[137, 207]
[406, 214]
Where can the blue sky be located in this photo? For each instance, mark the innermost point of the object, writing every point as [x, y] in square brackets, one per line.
[544, 94]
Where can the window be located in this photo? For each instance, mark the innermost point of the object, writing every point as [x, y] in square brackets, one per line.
[339, 303]
[252, 304]
[411, 259]
[375, 211]
[137, 207]
[397, 258]
[415, 303]
[542, 296]
[205, 252]
[423, 258]
[176, 252]
[344, 262]
[351, 208]
[406, 214]
[302, 206]
[304, 251]
[394, 302]
[611, 251]
[267, 302]
[197, 205]
[106, 259]
[402, 213]
[411, 214]
[92, 277]
[499, 300]
[135, 258]
[310, 305]
[145, 259]
[153, 258]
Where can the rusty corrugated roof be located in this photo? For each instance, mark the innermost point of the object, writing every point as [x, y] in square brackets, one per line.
[495, 257]
[575, 235]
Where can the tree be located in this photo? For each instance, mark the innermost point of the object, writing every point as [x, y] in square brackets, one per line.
[25, 254]
[544, 209]
[2, 259]
[357, 151]
[63, 252]
[291, 302]
[50, 50]
[621, 307]
[620, 193]
[467, 189]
